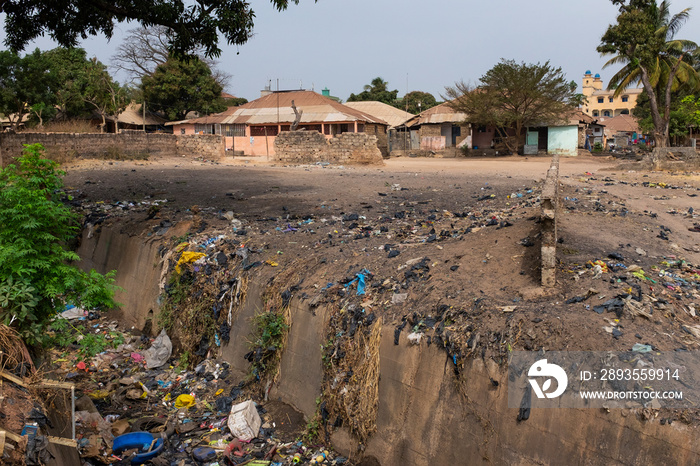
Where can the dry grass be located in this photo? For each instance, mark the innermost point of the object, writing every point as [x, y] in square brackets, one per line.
[351, 387]
[14, 352]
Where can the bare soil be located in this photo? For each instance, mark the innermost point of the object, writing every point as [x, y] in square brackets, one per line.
[469, 217]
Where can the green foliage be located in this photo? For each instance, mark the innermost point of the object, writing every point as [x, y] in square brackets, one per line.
[178, 87]
[681, 117]
[36, 274]
[269, 328]
[101, 92]
[69, 65]
[643, 42]
[512, 96]
[234, 102]
[378, 91]
[26, 83]
[598, 147]
[60, 333]
[690, 105]
[191, 24]
[184, 361]
[416, 101]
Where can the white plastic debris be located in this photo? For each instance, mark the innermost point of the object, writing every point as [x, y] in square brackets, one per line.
[159, 353]
[414, 338]
[244, 421]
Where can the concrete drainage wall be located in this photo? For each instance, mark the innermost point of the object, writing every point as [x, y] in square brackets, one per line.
[426, 416]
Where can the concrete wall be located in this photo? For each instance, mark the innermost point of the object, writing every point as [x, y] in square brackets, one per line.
[426, 416]
[138, 267]
[312, 146]
[209, 146]
[251, 146]
[380, 132]
[562, 140]
[66, 146]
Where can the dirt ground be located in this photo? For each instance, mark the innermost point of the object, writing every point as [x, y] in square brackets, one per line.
[472, 218]
[448, 240]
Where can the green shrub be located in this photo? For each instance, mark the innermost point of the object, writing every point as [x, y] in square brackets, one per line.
[37, 274]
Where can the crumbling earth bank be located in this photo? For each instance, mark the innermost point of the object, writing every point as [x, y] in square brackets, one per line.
[415, 284]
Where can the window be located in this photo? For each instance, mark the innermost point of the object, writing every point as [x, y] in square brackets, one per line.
[625, 98]
[204, 129]
[600, 100]
[263, 130]
[610, 99]
[182, 131]
[361, 128]
[606, 113]
[233, 130]
[310, 127]
[596, 113]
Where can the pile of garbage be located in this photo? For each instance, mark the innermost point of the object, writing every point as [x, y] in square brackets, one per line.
[135, 405]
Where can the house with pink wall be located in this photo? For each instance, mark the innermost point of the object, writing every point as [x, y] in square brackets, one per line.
[250, 129]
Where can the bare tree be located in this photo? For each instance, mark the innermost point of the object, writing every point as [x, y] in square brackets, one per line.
[143, 49]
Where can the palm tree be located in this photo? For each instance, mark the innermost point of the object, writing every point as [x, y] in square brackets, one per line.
[653, 57]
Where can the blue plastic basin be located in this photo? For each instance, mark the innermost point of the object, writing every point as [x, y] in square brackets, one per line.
[140, 440]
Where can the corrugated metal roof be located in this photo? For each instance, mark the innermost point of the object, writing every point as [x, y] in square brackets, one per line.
[277, 107]
[624, 123]
[392, 115]
[439, 114]
[133, 115]
[573, 118]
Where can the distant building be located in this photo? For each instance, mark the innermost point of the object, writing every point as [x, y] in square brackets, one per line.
[621, 128]
[250, 129]
[440, 130]
[603, 103]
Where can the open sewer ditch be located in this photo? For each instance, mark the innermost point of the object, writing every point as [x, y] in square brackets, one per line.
[375, 330]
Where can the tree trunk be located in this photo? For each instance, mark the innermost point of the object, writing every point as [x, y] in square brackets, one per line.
[104, 123]
[659, 130]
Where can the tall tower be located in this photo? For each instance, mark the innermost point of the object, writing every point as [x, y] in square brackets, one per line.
[588, 86]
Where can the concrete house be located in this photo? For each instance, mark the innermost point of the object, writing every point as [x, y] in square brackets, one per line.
[438, 131]
[621, 131]
[250, 129]
[392, 115]
[564, 137]
[603, 103]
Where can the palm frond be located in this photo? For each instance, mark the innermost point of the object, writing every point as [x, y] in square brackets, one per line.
[676, 22]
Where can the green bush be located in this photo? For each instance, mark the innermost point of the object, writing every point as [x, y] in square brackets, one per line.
[598, 147]
[37, 275]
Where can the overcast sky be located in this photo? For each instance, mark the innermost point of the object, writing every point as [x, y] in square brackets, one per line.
[414, 45]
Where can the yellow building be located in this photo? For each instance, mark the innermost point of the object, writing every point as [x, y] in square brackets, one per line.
[603, 103]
